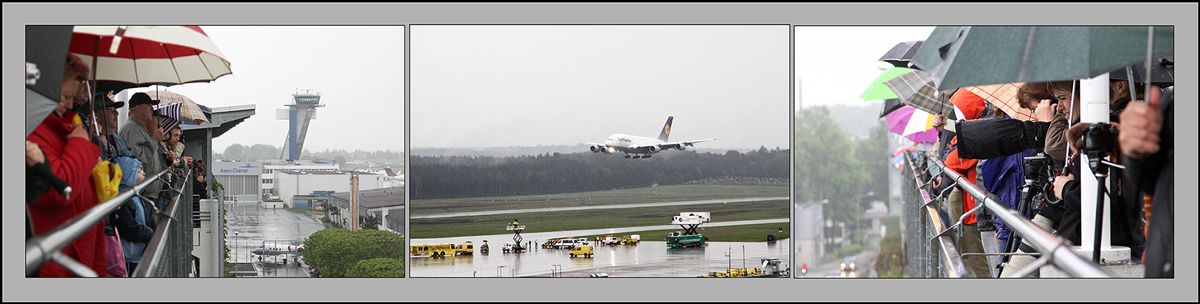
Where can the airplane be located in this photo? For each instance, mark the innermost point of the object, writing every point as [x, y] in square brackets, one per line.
[642, 147]
[277, 248]
[392, 174]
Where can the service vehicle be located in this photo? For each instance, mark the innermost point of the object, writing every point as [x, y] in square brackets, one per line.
[683, 241]
[582, 251]
[631, 239]
[484, 248]
[611, 240]
[550, 244]
[567, 243]
[464, 249]
[432, 250]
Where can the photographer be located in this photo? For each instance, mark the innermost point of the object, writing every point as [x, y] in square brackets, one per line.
[199, 179]
[1148, 147]
[1127, 208]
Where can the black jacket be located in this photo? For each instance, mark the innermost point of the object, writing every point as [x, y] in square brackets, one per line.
[1156, 175]
[988, 138]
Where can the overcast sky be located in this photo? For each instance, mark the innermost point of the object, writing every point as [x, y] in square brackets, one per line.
[359, 71]
[487, 86]
[834, 65]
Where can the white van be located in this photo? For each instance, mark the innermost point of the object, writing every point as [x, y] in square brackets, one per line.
[566, 244]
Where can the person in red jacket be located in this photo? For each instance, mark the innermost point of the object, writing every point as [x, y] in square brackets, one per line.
[972, 107]
[71, 156]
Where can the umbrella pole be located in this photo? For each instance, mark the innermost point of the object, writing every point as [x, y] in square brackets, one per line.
[1070, 118]
[1149, 56]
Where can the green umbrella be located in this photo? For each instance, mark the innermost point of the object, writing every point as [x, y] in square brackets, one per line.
[879, 91]
[980, 55]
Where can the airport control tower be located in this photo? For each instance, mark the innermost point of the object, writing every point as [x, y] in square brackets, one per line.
[302, 109]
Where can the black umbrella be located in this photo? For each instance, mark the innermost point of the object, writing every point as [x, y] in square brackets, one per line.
[1162, 72]
[902, 53]
[889, 106]
[45, 56]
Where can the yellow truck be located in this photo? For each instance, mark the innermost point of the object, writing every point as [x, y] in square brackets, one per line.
[630, 239]
[582, 250]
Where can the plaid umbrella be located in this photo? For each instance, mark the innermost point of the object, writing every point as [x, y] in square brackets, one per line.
[1004, 96]
[186, 110]
[917, 89]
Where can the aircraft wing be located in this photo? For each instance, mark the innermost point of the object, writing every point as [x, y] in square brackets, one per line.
[672, 145]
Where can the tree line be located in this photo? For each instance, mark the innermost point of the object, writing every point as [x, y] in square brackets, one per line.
[831, 165]
[466, 176]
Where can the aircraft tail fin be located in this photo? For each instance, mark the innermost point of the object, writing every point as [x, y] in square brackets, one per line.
[390, 172]
[666, 131]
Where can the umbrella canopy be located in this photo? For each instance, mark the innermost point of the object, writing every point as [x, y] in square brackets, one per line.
[979, 55]
[45, 57]
[1004, 97]
[902, 53]
[144, 55]
[889, 106]
[178, 107]
[877, 90]
[912, 123]
[916, 88]
[1162, 72]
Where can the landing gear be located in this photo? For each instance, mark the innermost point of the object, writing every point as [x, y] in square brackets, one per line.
[637, 156]
[626, 156]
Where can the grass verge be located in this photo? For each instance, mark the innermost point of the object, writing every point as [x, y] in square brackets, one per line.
[596, 219]
[596, 198]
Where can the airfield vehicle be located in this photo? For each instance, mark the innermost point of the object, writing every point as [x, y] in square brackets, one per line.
[583, 251]
[611, 240]
[566, 243]
[631, 239]
[582, 241]
[682, 241]
[484, 248]
[553, 243]
[508, 247]
[464, 248]
[432, 250]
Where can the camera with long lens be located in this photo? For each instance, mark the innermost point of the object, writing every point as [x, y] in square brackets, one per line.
[1038, 174]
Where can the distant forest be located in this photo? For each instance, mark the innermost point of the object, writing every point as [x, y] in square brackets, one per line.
[464, 176]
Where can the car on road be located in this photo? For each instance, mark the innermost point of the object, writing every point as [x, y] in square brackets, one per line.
[848, 264]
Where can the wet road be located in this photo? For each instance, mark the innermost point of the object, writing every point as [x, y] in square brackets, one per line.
[647, 259]
[617, 206]
[254, 224]
[499, 239]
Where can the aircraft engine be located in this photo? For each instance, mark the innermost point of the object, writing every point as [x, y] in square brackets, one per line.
[680, 147]
[653, 149]
[596, 149]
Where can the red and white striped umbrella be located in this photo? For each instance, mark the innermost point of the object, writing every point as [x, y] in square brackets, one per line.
[144, 55]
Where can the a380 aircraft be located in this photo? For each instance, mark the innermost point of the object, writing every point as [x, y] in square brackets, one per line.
[642, 147]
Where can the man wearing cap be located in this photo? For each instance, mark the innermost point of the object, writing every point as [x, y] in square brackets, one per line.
[137, 132]
[106, 116]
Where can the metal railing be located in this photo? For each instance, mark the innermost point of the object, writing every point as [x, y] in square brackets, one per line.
[934, 243]
[48, 245]
[1052, 248]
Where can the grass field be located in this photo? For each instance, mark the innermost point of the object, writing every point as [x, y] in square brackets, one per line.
[604, 218]
[596, 198]
[745, 233]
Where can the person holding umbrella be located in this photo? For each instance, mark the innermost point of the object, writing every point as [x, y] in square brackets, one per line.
[66, 148]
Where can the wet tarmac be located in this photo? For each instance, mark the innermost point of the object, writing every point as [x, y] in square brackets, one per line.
[250, 225]
[617, 206]
[650, 258]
